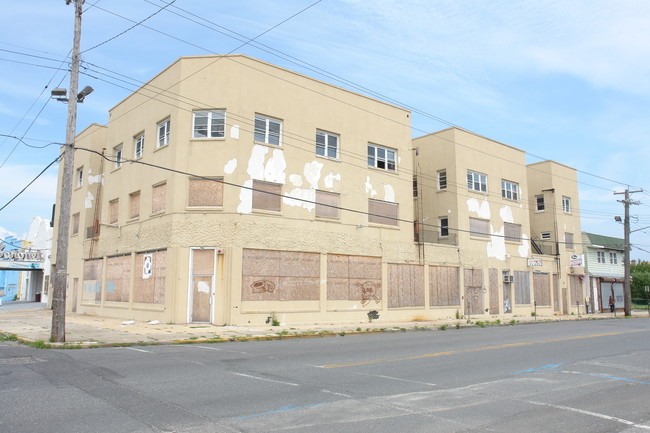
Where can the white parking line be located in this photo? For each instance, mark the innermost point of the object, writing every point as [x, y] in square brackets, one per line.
[265, 379]
[597, 415]
[137, 350]
[222, 350]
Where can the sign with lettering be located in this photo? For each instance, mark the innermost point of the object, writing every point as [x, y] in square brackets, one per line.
[576, 260]
[534, 262]
[22, 256]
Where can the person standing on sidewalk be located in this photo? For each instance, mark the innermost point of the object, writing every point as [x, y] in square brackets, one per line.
[612, 303]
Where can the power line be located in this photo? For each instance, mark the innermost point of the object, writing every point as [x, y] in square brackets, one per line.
[30, 183]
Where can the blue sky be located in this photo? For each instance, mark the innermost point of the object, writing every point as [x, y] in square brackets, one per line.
[567, 81]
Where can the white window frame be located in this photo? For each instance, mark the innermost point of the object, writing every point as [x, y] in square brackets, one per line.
[163, 133]
[509, 190]
[600, 257]
[80, 177]
[138, 146]
[263, 132]
[383, 158]
[566, 204]
[540, 205]
[476, 181]
[215, 118]
[326, 146]
[442, 179]
[118, 155]
[613, 259]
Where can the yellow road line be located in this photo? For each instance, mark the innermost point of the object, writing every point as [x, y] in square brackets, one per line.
[476, 349]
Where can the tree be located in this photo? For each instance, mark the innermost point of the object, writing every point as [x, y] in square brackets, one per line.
[640, 273]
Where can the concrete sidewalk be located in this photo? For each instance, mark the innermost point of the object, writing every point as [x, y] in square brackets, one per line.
[31, 323]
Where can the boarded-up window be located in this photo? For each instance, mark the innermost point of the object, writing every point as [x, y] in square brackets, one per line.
[267, 196]
[443, 286]
[542, 289]
[206, 192]
[522, 288]
[75, 224]
[269, 275]
[327, 204]
[118, 278]
[512, 232]
[354, 278]
[134, 199]
[405, 286]
[556, 292]
[575, 287]
[493, 275]
[158, 198]
[113, 211]
[568, 240]
[474, 290]
[149, 282]
[383, 212]
[92, 282]
[478, 228]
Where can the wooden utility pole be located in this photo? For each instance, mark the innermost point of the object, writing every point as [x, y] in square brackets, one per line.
[63, 229]
[627, 291]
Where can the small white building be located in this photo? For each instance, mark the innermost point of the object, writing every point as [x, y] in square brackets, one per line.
[604, 269]
[34, 282]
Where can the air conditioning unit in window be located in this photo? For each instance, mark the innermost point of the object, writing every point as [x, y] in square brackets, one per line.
[508, 278]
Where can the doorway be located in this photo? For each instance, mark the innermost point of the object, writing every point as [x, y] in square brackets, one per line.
[201, 288]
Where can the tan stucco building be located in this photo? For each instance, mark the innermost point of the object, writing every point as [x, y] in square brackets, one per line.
[228, 190]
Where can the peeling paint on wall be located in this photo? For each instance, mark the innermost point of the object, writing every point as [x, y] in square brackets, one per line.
[506, 214]
[482, 209]
[312, 173]
[230, 166]
[275, 166]
[330, 178]
[256, 162]
[369, 187]
[389, 193]
[234, 132]
[496, 247]
[295, 179]
[89, 200]
[524, 248]
[246, 198]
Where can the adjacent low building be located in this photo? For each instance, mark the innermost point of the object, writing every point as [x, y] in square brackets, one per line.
[228, 190]
[605, 270]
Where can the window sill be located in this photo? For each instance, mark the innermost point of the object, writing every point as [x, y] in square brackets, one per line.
[329, 158]
[165, 146]
[383, 170]
[203, 208]
[267, 212]
[383, 226]
[273, 146]
[203, 139]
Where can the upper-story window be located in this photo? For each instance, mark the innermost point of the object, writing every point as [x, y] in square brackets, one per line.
[601, 256]
[613, 258]
[476, 181]
[442, 179]
[139, 146]
[268, 130]
[80, 177]
[327, 144]
[163, 133]
[539, 203]
[566, 204]
[443, 222]
[545, 235]
[568, 240]
[382, 157]
[209, 124]
[509, 190]
[117, 150]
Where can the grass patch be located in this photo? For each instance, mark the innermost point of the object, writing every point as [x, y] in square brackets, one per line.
[8, 337]
[342, 334]
[443, 327]
[481, 324]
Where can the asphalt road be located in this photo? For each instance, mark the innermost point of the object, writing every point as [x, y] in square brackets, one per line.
[585, 376]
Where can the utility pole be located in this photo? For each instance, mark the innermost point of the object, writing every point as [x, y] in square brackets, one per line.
[627, 292]
[60, 277]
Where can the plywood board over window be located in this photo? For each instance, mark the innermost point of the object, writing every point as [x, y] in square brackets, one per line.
[575, 287]
[474, 290]
[206, 192]
[158, 198]
[405, 285]
[443, 286]
[493, 275]
[92, 282]
[542, 289]
[522, 288]
[354, 278]
[150, 289]
[270, 275]
[118, 278]
[267, 196]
